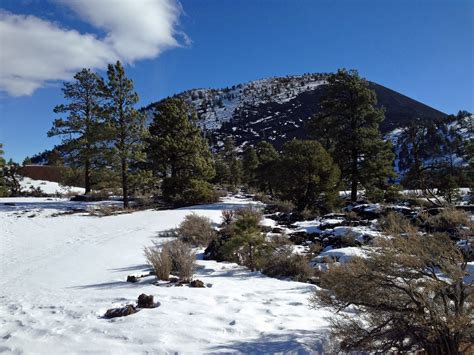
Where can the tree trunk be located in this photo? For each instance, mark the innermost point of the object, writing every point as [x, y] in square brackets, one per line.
[87, 176]
[124, 183]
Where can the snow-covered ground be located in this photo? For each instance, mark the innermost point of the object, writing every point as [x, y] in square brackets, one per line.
[60, 274]
[49, 187]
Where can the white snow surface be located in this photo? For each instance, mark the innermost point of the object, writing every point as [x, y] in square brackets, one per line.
[341, 255]
[49, 187]
[60, 275]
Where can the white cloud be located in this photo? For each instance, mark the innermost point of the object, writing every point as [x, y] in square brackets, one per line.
[34, 51]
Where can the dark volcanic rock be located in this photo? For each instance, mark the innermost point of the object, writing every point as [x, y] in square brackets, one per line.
[145, 301]
[132, 278]
[197, 284]
[120, 312]
[300, 238]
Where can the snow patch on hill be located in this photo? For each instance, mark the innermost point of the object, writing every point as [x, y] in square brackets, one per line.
[216, 106]
[464, 128]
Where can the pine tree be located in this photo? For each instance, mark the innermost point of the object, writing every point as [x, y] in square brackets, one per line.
[307, 175]
[125, 124]
[249, 166]
[12, 178]
[234, 164]
[81, 129]
[429, 151]
[178, 153]
[267, 169]
[348, 127]
[3, 187]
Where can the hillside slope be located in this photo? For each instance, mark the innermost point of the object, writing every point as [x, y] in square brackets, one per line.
[277, 109]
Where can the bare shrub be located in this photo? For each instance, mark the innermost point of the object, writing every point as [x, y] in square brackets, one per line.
[278, 241]
[227, 217]
[284, 263]
[314, 250]
[352, 216]
[174, 257]
[259, 196]
[350, 240]
[449, 219]
[159, 259]
[309, 214]
[401, 302]
[283, 206]
[395, 223]
[182, 259]
[196, 230]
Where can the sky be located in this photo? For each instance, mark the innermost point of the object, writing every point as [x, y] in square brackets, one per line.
[421, 48]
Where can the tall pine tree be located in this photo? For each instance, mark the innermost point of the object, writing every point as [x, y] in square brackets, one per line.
[348, 127]
[178, 153]
[249, 165]
[125, 124]
[81, 129]
[267, 170]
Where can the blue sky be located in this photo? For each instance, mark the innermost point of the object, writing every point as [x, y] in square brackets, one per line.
[423, 49]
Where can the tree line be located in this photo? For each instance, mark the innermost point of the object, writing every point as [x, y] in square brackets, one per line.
[111, 143]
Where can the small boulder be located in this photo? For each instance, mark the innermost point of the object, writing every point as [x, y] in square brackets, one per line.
[120, 312]
[132, 278]
[197, 283]
[145, 301]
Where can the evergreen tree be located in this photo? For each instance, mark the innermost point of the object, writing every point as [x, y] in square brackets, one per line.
[413, 150]
[233, 162]
[3, 187]
[267, 169]
[249, 165]
[125, 125]
[348, 126]
[429, 154]
[222, 170]
[12, 178]
[246, 244]
[81, 129]
[307, 175]
[178, 154]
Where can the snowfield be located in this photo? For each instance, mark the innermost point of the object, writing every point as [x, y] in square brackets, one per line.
[60, 274]
[49, 187]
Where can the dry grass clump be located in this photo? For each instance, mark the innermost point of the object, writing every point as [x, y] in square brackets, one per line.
[396, 224]
[196, 230]
[182, 258]
[449, 219]
[283, 205]
[173, 257]
[160, 260]
[259, 196]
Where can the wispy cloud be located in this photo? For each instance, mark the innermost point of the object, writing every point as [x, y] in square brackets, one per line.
[34, 51]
